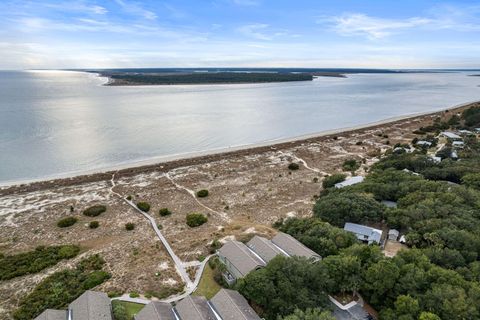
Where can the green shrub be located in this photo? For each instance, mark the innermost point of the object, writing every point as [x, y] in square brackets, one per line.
[62, 287]
[93, 225]
[129, 226]
[293, 166]
[164, 212]
[202, 193]
[67, 222]
[95, 210]
[134, 295]
[129, 198]
[119, 311]
[114, 293]
[144, 206]
[332, 180]
[34, 261]
[350, 165]
[196, 219]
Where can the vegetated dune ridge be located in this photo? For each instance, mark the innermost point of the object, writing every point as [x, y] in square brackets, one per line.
[249, 189]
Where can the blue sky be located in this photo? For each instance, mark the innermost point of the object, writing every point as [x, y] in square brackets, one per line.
[240, 33]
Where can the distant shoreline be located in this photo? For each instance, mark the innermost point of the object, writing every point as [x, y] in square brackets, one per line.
[166, 163]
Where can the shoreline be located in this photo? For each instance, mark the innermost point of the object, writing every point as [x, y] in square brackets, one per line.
[169, 162]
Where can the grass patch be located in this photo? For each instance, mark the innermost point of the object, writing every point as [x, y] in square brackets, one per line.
[124, 310]
[207, 287]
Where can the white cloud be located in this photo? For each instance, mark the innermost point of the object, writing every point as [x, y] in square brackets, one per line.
[372, 27]
[246, 2]
[255, 30]
[77, 6]
[135, 8]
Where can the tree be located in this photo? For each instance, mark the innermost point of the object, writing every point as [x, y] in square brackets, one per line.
[95, 210]
[284, 285]
[119, 311]
[340, 207]
[350, 165]
[129, 226]
[196, 219]
[472, 180]
[293, 166]
[202, 193]
[66, 222]
[309, 314]
[332, 180]
[344, 272]
[380, 280]
[144, 206]
[428, 316]
[164, 212]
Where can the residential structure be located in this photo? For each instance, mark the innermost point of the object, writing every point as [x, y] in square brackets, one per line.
[393, 234]
[156, 310]
[364, 233]
[231, 305]
[349, 182]
[239, 260]
[450, 135]
[293, 247]
[91, 305]
[264, 248]
[194, 308]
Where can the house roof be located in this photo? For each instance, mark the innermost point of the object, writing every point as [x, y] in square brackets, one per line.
[293, 247]
[364, 231]
[241, 257]
[91, 305]
[231, 305]
[51, 314]
[393, 232]
[451, 135]
[264, 248]
[156, 310]
[349, 182]
[389, 204]
[194, 308]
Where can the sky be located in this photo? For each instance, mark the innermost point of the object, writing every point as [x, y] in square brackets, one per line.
[239, 33]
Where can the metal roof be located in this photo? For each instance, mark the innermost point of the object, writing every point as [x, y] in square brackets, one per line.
[349, 182]
[363, 232]
[293, 247]
[91, 305]
[231, 305]
[451, 135]
[241, 257]
[156, 310]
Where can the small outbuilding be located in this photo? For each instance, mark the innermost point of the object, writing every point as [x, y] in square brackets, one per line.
[393, 234]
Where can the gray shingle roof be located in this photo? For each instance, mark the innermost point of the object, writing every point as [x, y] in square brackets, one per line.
[264, 248]
[293, 247]
[194, 308]
[241, 257]
[91, 305]
[156, 310]
[51, 314]
[231, 305]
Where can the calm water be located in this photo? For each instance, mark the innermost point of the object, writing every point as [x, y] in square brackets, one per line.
[54, 123]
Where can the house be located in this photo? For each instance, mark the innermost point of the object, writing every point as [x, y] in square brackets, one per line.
[239, 260]
[458, 144]
[424, 143]
[156, 310]
[293, 247]
[91, 305]
[51, 314]
[364, 233]
[264, 248]
[435, 159]
[389, 204]
[465, 132]
[231, 305]
[450, 135]
[349, 182]
[393, 234]
[194, 308]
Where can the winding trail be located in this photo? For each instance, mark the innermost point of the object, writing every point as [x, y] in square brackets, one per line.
[302, 161]
[179, 265]
[220, 214]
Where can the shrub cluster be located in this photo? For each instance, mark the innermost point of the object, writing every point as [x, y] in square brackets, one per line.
[62, 287]
[196, 219]
[202, 193]
[34, 261]
[93, 224]
[129, 226]
[164, 212]
[95, 210]
[293, 166]
[144, 206]
[66, 222]
[332, 180]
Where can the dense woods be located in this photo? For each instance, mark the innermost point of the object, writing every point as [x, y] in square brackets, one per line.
[438, 209]
[209, 78]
